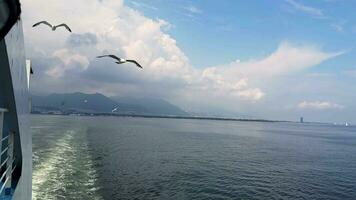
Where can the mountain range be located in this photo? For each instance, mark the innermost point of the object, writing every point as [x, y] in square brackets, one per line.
[99, 103]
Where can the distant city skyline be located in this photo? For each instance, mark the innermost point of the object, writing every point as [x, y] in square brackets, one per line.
[279, 59]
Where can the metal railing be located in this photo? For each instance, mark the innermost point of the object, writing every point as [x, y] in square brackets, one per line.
[7, 158]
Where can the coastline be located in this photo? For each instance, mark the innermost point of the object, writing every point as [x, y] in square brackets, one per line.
[162, 117]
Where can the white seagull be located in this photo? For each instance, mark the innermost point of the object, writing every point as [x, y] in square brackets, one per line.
[53, 27]
[121, 60]
[115, 109]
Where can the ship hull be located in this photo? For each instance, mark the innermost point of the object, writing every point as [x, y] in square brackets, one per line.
[16, 75]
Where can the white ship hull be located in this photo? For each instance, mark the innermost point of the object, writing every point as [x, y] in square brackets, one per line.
[14, 98]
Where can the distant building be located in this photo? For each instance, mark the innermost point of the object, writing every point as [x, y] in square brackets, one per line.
[301, 120]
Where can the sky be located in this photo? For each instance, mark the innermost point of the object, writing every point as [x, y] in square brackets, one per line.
[271, 59]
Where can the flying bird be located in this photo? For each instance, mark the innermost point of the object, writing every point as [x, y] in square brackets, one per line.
[53, 27]
[115, 109]
[121, 60]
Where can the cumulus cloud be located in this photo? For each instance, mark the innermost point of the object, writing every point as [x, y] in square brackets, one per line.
[85, 39]
[119, 29]
[319, 105]
[212, 78]
[71, 61]
[246, 79]
[250, 94]
[115, 28]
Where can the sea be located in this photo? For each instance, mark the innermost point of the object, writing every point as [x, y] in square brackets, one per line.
[109, 158]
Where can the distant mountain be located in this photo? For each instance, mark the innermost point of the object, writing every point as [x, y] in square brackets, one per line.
[98, 103]
[75, 101]
[148, 106]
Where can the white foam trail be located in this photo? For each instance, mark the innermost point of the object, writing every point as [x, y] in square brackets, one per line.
[53, 177]
[42, 172]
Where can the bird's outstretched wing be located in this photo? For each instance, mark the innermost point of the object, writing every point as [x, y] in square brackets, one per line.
[134, 61]
[64, 25]
[42, 22]
[111, 56]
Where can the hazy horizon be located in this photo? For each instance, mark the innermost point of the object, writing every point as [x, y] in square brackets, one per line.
[271, 59]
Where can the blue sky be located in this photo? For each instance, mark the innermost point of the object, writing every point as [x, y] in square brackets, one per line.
[217, 32]
[259, 58]
[211, 33]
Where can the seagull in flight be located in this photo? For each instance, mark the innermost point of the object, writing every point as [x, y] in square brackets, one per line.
[121, 60]
[53, 27]
[115, 109]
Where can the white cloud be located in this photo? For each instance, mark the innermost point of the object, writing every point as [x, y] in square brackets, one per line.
[287, 59]
[121, 30]
[124, 31]
[245, 80]
[319, 75]
[68, 57]
[319, 105]
[306, 9]
[193, 9]
[70, 61]
[250, 94]
[237, 87]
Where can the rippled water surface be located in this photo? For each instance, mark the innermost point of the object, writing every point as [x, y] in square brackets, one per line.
[138, 158]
